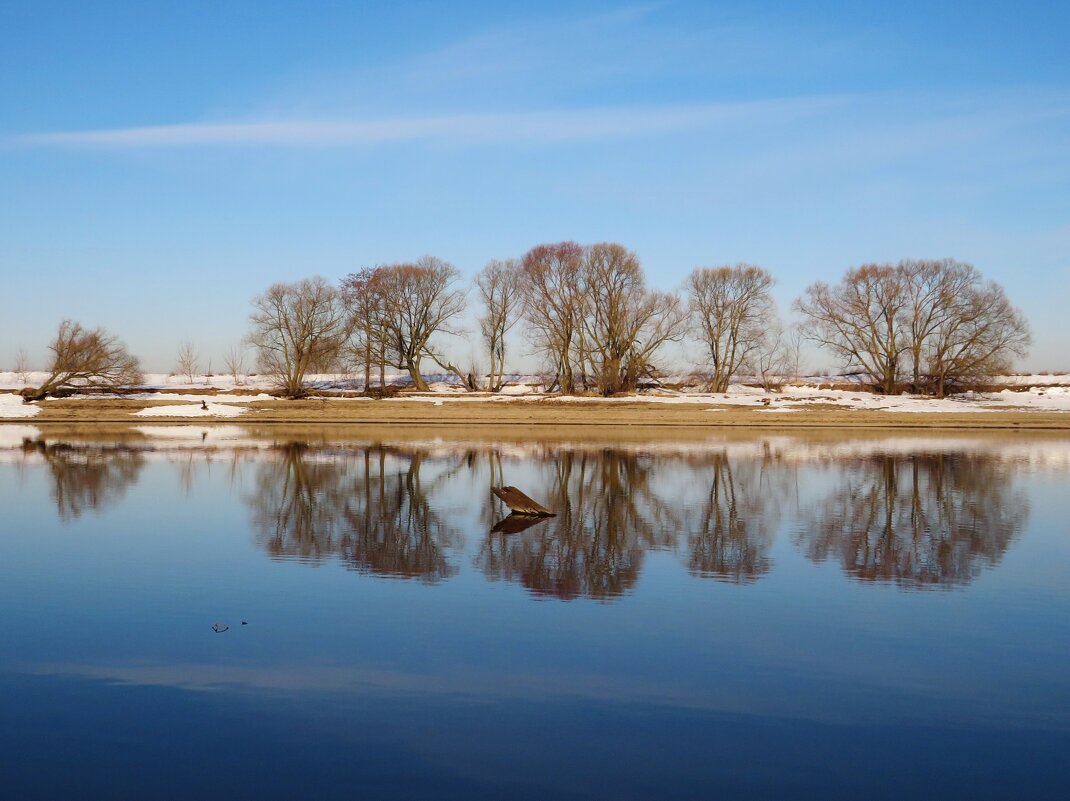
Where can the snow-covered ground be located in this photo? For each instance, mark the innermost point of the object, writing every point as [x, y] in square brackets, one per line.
[1038, 392]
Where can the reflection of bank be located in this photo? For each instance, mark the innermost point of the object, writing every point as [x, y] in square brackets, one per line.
[920, 520]
[927, 520]
[87, 477]
[368, 508]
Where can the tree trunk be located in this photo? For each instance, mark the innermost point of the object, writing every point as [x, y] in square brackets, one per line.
[417, 376]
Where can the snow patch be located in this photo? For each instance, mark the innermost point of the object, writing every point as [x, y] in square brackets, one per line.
[11, 406]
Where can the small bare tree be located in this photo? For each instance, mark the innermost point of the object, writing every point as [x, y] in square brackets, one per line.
[186, 362]
[769, 356]
[84, 358]
[234, 361]
[734, 311]
[296, 328]
[499, 289]
[22, 365]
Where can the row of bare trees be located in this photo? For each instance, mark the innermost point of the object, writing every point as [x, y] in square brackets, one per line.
[589, 314]
[587, 310]
[932, 326]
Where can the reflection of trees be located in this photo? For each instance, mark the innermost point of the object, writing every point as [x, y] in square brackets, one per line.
[730, 536]
[607, 517]
[922, 521]
[87, 477]
[367, 507]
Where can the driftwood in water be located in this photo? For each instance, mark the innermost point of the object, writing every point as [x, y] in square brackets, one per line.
[520, 503]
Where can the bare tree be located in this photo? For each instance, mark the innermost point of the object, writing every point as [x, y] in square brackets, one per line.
[552, 295]
[791, 366]
[734, 310]
[499, 286]
[419, 301]
[953, 328]
[234, 361]
[769, 358]
[959, 329]
[622, 323]
[861, 320]
[186, 363]
[22, 365]
[934, 291]
[366, 305]
[81, 358]
[296, 328]
[976, 339]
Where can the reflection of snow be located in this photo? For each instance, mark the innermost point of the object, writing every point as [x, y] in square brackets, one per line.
[199, 434]
[12, 436]
[192, 410]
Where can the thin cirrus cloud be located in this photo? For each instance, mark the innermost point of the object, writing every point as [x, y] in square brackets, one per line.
[537, 126]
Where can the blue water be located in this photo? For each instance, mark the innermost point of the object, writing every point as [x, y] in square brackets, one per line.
[771, 618]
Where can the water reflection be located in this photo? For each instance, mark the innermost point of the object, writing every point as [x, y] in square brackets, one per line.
[920, 521]
[369, 508]
[395, 510]
[729, 536]
[608, 516]
[86, 477]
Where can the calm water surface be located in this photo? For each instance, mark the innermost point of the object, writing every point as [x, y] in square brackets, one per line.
[772, 617]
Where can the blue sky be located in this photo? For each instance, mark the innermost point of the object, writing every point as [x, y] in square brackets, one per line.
[162, 163]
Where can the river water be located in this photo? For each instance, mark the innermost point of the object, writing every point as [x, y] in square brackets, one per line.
[707, 617]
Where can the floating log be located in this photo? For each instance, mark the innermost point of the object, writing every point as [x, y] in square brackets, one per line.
[520, 503]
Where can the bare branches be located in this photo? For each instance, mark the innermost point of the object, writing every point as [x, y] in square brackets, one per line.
[976, 339]
[296, 328]
[590, 312]
[552, 301]
[186, 363]
[623, 324]
[499, 286]
[733, 310]
[83, 358]
[234, 362]
[402, 306]
[860, 320]
[22, 365]
[952, 327]
[366, 307]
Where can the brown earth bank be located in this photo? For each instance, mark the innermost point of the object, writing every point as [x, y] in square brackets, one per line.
[610, 418]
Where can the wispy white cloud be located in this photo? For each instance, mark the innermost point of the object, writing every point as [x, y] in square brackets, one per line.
[536, 126]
